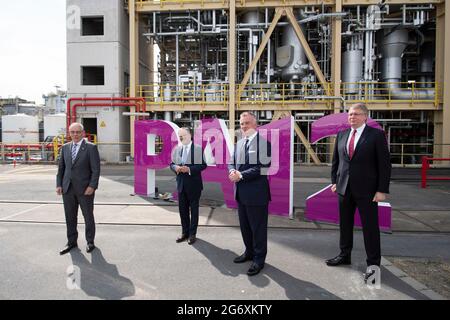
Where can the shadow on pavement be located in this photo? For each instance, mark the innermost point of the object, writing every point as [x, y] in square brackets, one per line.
[221, 259]
[100, 278]
[295, 289]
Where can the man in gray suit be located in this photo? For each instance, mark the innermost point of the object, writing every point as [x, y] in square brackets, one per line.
[188, 163]
[77, 180]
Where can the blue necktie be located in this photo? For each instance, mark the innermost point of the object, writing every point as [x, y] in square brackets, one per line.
[74, 151]
[184, 155]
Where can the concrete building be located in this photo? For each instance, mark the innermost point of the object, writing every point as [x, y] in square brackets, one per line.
[98, 66]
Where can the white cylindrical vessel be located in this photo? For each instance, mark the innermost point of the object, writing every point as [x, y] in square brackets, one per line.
[20, 129]
[54, 125]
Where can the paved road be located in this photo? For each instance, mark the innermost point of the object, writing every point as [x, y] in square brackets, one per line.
[144, 262]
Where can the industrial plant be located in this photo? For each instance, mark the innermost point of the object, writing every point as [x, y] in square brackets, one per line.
[183, 61]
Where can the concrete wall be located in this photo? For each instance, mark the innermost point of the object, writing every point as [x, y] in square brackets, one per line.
[111, 51]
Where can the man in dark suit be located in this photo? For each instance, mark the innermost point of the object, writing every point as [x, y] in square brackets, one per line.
[360, 174]
[77, 180]
[248, 170]
[188, 163]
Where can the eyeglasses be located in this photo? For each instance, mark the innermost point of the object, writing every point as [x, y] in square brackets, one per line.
[355, 114]
[75, 132]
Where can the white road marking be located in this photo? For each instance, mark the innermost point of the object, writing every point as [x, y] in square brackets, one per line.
[22, 212]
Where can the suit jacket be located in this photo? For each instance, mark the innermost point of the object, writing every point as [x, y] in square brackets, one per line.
[368, 171]
[192, 183]
[253, 189]
[83, 172]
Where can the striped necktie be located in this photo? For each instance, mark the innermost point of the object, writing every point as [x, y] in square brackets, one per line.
[74, 151]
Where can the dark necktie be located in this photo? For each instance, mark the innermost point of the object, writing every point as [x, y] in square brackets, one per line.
[74, 151]
[246, 150]
[351, 146]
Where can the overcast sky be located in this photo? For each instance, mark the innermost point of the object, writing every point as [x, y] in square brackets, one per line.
[32, 48]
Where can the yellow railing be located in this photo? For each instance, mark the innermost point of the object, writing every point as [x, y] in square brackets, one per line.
[178, 2]
[281, 93]
[160, 94]
[284, 93]
[392, 92]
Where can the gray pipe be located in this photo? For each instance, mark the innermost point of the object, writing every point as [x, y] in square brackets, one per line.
[393, 44]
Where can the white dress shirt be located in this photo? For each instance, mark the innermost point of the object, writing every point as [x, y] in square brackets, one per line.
[359, 131]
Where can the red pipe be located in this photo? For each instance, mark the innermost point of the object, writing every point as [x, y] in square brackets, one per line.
[69, 102]
[75, 106]
[69, 106]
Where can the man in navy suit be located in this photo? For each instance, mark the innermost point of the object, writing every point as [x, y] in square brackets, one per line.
[248, 170]
[188, 163]
[360, 175]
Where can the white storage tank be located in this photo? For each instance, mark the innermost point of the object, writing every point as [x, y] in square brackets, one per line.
[54, 125]
[20, 129]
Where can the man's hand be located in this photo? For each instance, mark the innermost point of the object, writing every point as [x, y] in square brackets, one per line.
[89, 191]
[59, 191]
[178, 169]
[379, 197]
[333, 188]
[184, 169]
[235, 176]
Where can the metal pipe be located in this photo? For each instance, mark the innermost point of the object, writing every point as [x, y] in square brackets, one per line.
[268, 60]
[393, 45]
[250, 53]
[177, 71]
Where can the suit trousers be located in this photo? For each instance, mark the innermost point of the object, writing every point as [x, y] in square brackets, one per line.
[253, 222]
[71, 203]
[188, 206]
[368, 211]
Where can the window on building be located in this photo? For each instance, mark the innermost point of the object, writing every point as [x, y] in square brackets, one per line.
[93, 76]
[92, 26]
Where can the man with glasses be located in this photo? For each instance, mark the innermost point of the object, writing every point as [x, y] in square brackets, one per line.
[360, 175]
[77, 180]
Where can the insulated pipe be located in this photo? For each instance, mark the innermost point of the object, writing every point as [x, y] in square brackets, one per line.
[393, 45]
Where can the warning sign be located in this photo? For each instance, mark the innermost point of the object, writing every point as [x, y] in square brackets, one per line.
[102, 124]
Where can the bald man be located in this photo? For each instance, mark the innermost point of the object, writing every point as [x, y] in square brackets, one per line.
[188, 163]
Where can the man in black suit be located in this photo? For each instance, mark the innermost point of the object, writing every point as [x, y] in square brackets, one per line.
[360, 174]
[77, 180]
[188, 163]
[248, 170]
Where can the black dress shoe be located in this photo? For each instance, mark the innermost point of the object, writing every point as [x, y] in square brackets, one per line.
[367, 275]
[192, 239]
[336, 261]
[90, 247]
[67, 248]
[254, 269]
[242, 258]
[182, 238]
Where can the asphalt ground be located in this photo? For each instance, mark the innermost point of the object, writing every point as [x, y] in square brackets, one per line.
[137, 257]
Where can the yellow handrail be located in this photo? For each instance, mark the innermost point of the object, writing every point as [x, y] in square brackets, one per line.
[282, 93]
